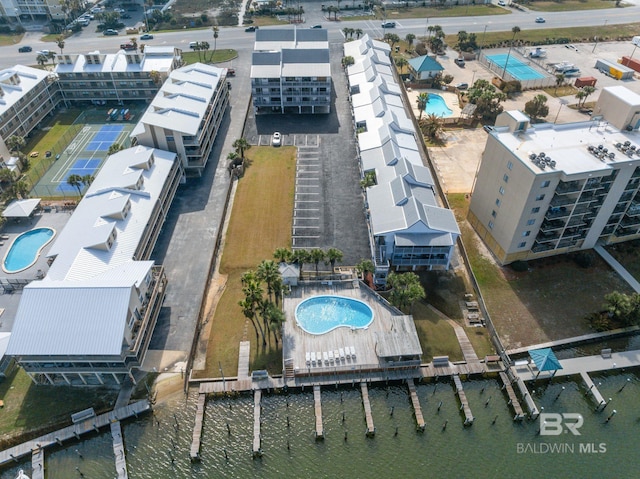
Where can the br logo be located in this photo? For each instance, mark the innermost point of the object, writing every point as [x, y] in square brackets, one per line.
[553, 424]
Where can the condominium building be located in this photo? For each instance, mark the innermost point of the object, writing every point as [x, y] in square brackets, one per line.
[17, 10]
[27, 96]
[115, 77]
[408, 228]
[291, 71]
[90, 319]
[547, 189]
[185, 116]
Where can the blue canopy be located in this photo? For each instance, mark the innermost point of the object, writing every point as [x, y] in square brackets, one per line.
[545, 360]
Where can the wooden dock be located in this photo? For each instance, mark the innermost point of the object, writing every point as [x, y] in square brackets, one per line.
[524, 392]
[197, 428]
[420, 425]
[317, 401]
[593, 390]
[468, 416]
[118, 450]
[37, 463]
[74, 431]
[513, 399]
[257, 398]
[243, 359]
[371, 430]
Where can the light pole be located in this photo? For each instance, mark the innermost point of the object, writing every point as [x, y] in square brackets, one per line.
[482, 41]
[634, 50]
[562, 103]
[594, 47]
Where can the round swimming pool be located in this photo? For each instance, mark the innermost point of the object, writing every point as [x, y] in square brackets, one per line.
[26, 248]
[437, 106]
[321, 314]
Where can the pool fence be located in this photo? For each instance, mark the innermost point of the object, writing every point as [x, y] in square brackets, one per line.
[519, 53]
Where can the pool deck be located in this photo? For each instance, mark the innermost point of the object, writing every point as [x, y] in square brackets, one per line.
[450, 98]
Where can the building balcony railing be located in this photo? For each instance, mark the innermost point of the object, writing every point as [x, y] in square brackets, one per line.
[547, 237]
[566, 188]
[556, 212]
[541, 247]
[550, 225]
[562, 201]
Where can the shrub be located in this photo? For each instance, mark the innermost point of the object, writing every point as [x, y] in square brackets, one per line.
[599, 322]
[520, 266]
[421, 48]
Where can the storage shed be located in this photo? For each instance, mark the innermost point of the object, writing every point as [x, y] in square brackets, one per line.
[585, 81]
[614, 70]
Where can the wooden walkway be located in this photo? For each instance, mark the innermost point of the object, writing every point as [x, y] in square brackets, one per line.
[37, 463]
[468, 352]
[257, 398]
[593, 390]
[513, 399]
[197, 428]
[74, 431]
[317, 402]
[371, 430]
[468, 416]
[243, 359]
[118, 450]
[416, 405]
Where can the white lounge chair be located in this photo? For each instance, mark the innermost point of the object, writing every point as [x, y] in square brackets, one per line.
[336, 355]
[307, 356]
[353, 352]
[319, 356]
[347, 352]
[341, 350]
[325, 356]
[331, 357]
[313, 358]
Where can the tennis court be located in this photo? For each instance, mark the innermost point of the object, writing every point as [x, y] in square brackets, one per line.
[515, 67]
[104, 138]
[81, 167]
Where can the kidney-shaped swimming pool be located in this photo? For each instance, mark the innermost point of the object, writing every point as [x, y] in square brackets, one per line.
[26, 248]
[321, 314]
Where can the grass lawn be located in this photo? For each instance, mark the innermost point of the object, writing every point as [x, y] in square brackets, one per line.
[10, 39]
[260, 223]
[435, 12]
[437, 337]
[545, 303]
[627, 254]
[572, 5]
[28, 407]
[219, 56]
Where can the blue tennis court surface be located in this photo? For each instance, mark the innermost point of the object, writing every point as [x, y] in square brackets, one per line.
[515, 67]
[104, 138]
[81, 167]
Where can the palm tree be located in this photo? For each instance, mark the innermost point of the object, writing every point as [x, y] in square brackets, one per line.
[216, 32]
[559, 81]
[588, 90]
[15, 143]
[365, 266]
[515, 31]
[241, 145]
[317, 255]
[581, 95]
[410, 38]
[301, 256]
[87, 180]
[20, 189]
[422, 100]
[253, 300]
[282, 255]
[156, 78]
[432, 125]
[42, 59]
[60, 43]
[275, 318]
[333, 255]
[204, 47]
[75, 181]
[358, 32]
[267, 271]
[134, 42]
[401, 62]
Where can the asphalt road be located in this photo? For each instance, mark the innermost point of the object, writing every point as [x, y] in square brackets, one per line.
[236, 38]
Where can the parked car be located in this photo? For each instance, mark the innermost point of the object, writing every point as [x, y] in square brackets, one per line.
[231, 72]
[43, 52]
[502, 3]
[317, 26]
[252, 28]
[127, 46]
[146, 36]
[459, 62]
[388, 24]
[540, 20]
[110, 31]
[25, 49]
[462, 86]
[276, 139]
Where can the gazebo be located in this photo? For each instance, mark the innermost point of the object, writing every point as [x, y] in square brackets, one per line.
[545, 360]
[21, 208]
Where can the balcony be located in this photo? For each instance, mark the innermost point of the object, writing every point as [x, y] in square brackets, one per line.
[562, 201]
[569, 187]
[550, 225]
[541, 247]
[547, 237]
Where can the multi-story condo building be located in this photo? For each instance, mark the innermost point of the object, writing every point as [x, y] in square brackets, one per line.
[115, 77]
[408, 229]
[27, 96]
[185, 115]
[32, 9]
[291, 72]
[90, 319]
[548, 189]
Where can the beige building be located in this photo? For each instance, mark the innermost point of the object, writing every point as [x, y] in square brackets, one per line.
[549, 189]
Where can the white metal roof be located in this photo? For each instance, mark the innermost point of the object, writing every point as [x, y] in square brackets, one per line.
[21, 208]
[182, 101]
[16, 82]
[160, 59]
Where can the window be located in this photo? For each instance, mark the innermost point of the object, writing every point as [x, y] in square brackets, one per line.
[526, 233]
[506, 178]
[539, 197]
[535, 210]
[510, 165]
[522, 245]
[545, 184]
[530, 222]
[493, 213]
[498, 201]
[501, 190]
[490, 225]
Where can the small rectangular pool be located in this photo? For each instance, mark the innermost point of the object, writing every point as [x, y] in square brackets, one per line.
[516, 68]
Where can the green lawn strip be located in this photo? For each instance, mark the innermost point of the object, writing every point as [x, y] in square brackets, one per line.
[535, 37]
[572, 5]
[429, 13]
[437, 337]
[261, 221]
[479, 338]
[10, 39]
[28, 408]
[205, 56]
